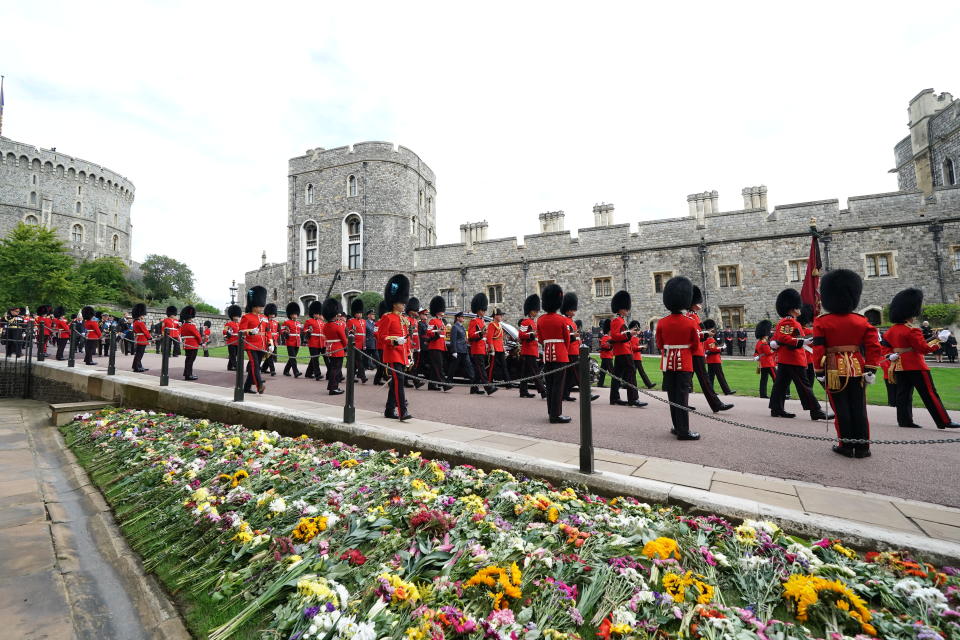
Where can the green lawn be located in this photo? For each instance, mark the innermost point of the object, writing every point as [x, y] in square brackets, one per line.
[743, 378]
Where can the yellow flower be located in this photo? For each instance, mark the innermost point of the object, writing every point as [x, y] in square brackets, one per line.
[308, 528]
[553, 514]
[508, 580]
[403, 591]
[349, 463]
[663, 548]
[844, 551]
[676, 585]
[807, 591]
[316, 589]
[438, 474]
[243, 537]
[200, 495]
[475, 504]
[745, 533]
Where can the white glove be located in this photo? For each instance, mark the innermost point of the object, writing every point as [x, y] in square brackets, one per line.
[774, 345]
[271, 348]
[822, 379]
[253, 332]
[943, 335]
[401, 341]
[757, 358]
[893, 357]
[454, 354]
[869, 377]
[808, 340]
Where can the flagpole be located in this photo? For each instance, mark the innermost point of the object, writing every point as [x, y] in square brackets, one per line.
[1, 104]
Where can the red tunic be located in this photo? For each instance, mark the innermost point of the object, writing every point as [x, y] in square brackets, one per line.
[379, 334]
[833, 330]
[93, 329]
[808, 331]
[230, 331]
[253, 321]
[336, 339]
[696, 348]
[476, 336]
[190, 335]
[314, 330]
[414, 338]
[495, 336]
[173, 326]
[675, 336]
[713, 350]
[574, 347]
[528, 337]
[141, 332]
[763, 350]
[554, 334]
[620, 337]
[635, 347]
[909, 343]
[206, 336]
[788, 334]
[436, 334]
[292, 329]
[63, 327]
[393, 326]
[606, 349]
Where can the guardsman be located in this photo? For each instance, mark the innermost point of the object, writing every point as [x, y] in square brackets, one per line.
[675, 337]
[742, 341]
[171, 325]
[622, 352]
[728, 340]
[606, 351]
[886, 365]
[93, 334]
[141, 336]
[569, 308]
[290, 334]
[313, 329]
[191, 340]
[61, 329]
[207, 331]
[909, 370]
[272, 338]
[788, 342]
[253, 326]
[764, 357]
[13, 332]
[336, 345]
[530, 347]
[43, 327]
[498, 357]
[230, 330]
[357, 327]
[477, 337]
[553, 332]
[714, 359]
[846, 354]
[413, 341]
[437, 344]
[394, 329]
[700, 357]
[423, 324]
[636, 345]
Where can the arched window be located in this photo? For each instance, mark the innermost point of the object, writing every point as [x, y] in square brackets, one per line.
[76, 234]
[309, 196]
[79, 208]
[308, 238]
[353, 241]
[949, 173]
[352, 186]
[33, 197]
[31, 220]
[116, 242]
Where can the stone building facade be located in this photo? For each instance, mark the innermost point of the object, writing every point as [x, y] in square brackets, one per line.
[741, 258]
[86, 204]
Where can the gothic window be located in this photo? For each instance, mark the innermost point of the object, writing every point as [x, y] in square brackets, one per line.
[79, 190]
[949, 173]
[659, 279]
[429, 205]
[309, 196]
[354, 241]
[602, 287]
[116, 242]
[449, 296]
[33, 197]
[31, 220]
[729, 275]
[731, 317]
[955, 257]
[352, 186]
[34, 178]
[309, 240]
[76, 234]
[796, 270]
[495, 294]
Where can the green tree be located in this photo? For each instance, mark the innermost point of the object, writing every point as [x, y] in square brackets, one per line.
[940, 315]
[110, 275]
[166, 277]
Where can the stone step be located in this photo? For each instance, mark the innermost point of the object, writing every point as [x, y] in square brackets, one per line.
[62, 413]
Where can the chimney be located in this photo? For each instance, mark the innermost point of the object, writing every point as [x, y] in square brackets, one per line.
[754, 197]
[551, 221]
[702, 204]
[473, 232]
[602, 214]
[263, 259]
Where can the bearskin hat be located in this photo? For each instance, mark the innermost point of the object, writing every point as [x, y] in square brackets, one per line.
[570, 302]
[172, 310]
[413, 305]
[634, 324]
[270, 309]
[139, 310]
[293, 309]
[42, 310]
[906, 304]
[678, 293]
[709, 324]
[579, 323]
[806, 314]
[605, 325]
[697, 296]
[330, 309]
[207, 323]
[840, 290]
[551, 298]
[256, 297]
[234, 311]
[382, 309]
[786, 300]
[532, 303]
[187, 313]
[762, 330]
[396, 290]
[98, 315]
[87, 312]
[620, 300]
[437, 305]
[316, 308]
[356, 306]
[479, 303]
[58, 312]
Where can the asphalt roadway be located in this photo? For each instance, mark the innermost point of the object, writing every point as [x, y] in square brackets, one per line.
[918, 472]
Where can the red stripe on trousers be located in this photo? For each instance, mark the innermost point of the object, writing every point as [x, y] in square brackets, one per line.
[928, 381]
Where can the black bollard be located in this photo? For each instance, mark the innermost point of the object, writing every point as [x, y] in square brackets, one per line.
[41, 340]
[72, 353]
[28, 371]
[586, 417]
[112, 362]
[349, 411]
[165, 359]
[238, 386]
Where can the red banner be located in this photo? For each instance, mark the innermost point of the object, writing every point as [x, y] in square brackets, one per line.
[810, 293]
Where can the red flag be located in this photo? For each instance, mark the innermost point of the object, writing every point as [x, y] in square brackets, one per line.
[810, 293]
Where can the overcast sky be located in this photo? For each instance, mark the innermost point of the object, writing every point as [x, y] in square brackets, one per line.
[519, 107]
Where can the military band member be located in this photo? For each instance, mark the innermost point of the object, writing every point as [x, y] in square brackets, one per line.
[92, 334]
[413, 342]
[636, 345]
[530, 348]
[477, 337]
[700, 359]
[253, 326]
[336, 345]
[606, 351]
[230, 331]
[437, 344]
[764, 356]
[888, 379]
[498, 357]
[846, 354]
[675, 336]
[568, 308]
[13, 330]
[290, 334]
[313, 329]
[141, 336]
[622, 352]
[191, 340]
[356, 330]
[714, 358]
[909, 369]
[394, 328]
[171, 327]
[553, 332]
[272, 338]
[788, 342]
[61, 329]
[728, 340]
[207, 335]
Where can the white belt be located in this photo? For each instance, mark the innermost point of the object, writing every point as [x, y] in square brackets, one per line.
[359, 335]
[333, 339]
[676, 346]
[552, 340]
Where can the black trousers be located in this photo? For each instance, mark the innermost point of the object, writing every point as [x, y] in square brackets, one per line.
[700, 370]
[481, 372]
[907, 381]
[677, 384]
[291, 361]
[638, 365]
[253, 371]
[138, 356]
[14, 346]
[396, 395]
[61, 345]
[766, 372]
[89, 351]
[367, 362]
[742, 345]
[382, 375]
[360, 366]
[891, 393]
[787, 373]
[730, 348]
[554, 388]
[530, 366]
[850, 410]
[606, 365]
[715, 372]
[313, 366]
[623, 367]
[571, 376]
[269, 363]
[176, 349]
[435, 366]
[191, 356]
[498, 367]
[334, 372]
[231, 357]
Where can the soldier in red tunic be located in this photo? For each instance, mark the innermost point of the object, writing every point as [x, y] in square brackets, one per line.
[230, 331]
[606, 351]
[61, 329]
[530, 347]
[846, 354]
[763, 354]
[171, 326]
[357, 331]
[553, 331]
[622, 352]
[436, 344]
[381, 376]
[394, 330]
[141, 336]
[498, 356]
[700, 357]
[93, 335]
[713, 351]
[336, 345]
[191, 339]
[675, 337]
[313, 329]
[788, 342]
[572, 376]
[909, 369]
[272, 338]
[206, 338]
[290, 332]
[477, 338]
[253, 326]
[636, 345]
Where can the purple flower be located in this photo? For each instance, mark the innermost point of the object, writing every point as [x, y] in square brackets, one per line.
[310, 612]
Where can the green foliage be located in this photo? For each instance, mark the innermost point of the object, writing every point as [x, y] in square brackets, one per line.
[198, 304]
[165, 277]
[109, 274]
[940, 315]
[370, 300]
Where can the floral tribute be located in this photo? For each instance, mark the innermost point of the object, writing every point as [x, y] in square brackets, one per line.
[300, 539]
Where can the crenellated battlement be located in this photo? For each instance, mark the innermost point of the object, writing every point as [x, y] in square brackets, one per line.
[372, 151]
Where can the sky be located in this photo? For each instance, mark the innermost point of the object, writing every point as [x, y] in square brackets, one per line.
[518, 107]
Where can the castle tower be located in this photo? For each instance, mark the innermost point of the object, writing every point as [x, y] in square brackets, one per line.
[919, 154]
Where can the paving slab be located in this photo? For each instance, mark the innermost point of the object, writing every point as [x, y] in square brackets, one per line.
[680, 473]
[20, 514]
[507, 443]
[26, 549]
[754, 481]
[939, 530]
[853, 507]
[759, 495]
[612, 467]
[933, 513]
[35, 606]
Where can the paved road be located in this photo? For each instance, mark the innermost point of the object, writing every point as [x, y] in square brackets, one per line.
[920, 472]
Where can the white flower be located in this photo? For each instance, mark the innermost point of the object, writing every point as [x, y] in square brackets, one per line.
[644, 597]
[310, 510]
[312, 628]
[299, 504]
[624, 616]
[278, 505]
[753, 562]
[806, 553]
[721, 559]
[763, 525]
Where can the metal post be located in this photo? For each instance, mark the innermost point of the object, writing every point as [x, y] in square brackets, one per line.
[112, 361]
[241, 361]
[165, 358]
[41, 340]
[28, 372]
[586, 417]
[72, 353]
[349, 411]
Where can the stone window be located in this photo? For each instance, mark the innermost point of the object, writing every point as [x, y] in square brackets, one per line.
[31, 220]
[543, 283]
[429, 205]
[602, 287]
[879, 265]
[308, 235]
[420, 199]
[659, 279]
[796, 270]
[34, 178]
[78, 208]
[353, 240]
[729, 275]
[449, 296]
[352, 186]
[308, 197]
[79, 190]
[955, 257]
[311, 261]
[116, 219]
[495, 293]
[731, 317]
[116, 242]
[33, 197]
[949, 173]
[76, 234]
